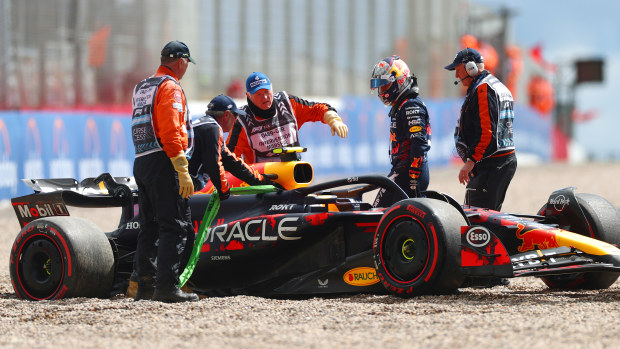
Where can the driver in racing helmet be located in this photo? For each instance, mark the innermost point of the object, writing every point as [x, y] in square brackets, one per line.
[410, 129]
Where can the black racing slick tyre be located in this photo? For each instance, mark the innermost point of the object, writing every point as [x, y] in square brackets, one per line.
[416, 249]
[602, 223]
[61, 257]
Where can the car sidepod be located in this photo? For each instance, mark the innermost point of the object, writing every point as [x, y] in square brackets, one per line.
[286, 247]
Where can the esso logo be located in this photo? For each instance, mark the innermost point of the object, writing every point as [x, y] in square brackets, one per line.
[478, 236]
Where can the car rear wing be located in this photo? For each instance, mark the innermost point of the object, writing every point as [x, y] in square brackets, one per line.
[52, 196]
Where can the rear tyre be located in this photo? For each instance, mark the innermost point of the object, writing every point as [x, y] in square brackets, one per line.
[416, 248]
[602, 223]
[60, 257]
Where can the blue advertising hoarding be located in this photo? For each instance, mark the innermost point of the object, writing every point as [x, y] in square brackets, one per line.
[76, 145]
[44, 144]
[366, 149]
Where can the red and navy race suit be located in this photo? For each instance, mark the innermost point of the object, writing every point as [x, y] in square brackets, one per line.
[211, 158]
[161, 130]
[260, 131]
[410, 141]
[484, 134]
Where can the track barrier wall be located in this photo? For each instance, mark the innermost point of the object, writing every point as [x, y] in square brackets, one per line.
[81, 144]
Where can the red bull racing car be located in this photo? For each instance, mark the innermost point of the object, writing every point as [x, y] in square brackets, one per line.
[314, 239]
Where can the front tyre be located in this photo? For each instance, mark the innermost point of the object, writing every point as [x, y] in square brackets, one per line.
[416, 248]
[59, 257]
[602, 222]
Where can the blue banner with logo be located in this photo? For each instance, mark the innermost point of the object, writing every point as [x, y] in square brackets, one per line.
[366, 149]
[36, 144]
[76, 145]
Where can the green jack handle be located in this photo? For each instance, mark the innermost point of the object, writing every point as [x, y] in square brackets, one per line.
[212, 208]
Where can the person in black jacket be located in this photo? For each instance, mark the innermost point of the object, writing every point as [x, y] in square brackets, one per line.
[410, 129]
[211, 157]
[483, 135]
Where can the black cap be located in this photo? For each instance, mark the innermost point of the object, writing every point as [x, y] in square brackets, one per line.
[176, 49]
[464, 56]
[223, 103]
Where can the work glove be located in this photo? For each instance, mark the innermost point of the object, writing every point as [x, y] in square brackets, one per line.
[186, 186]
[335, 123]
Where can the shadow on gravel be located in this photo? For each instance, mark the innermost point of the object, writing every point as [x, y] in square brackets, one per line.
[497, 296]
[8, 295]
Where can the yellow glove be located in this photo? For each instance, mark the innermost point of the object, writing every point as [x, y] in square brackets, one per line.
[186, 186]
[335, 122]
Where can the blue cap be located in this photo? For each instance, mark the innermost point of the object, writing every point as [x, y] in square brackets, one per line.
[257, 81]
[464, 56]
[223, 103]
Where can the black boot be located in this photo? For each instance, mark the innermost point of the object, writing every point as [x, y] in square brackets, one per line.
[173, 295]
[146, 288]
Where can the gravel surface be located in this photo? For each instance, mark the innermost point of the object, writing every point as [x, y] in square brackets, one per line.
[523, 314]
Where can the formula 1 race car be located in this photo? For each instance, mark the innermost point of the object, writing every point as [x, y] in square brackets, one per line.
[314, 239]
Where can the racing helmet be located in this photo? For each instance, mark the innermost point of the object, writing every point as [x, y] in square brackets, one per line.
[391, 77]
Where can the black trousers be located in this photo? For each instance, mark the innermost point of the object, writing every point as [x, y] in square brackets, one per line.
[165, 232]
[490, 181]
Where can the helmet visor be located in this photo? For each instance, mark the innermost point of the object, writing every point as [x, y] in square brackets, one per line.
[381, 81]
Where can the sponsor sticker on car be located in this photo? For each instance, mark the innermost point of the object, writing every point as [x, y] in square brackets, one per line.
[363, 276]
